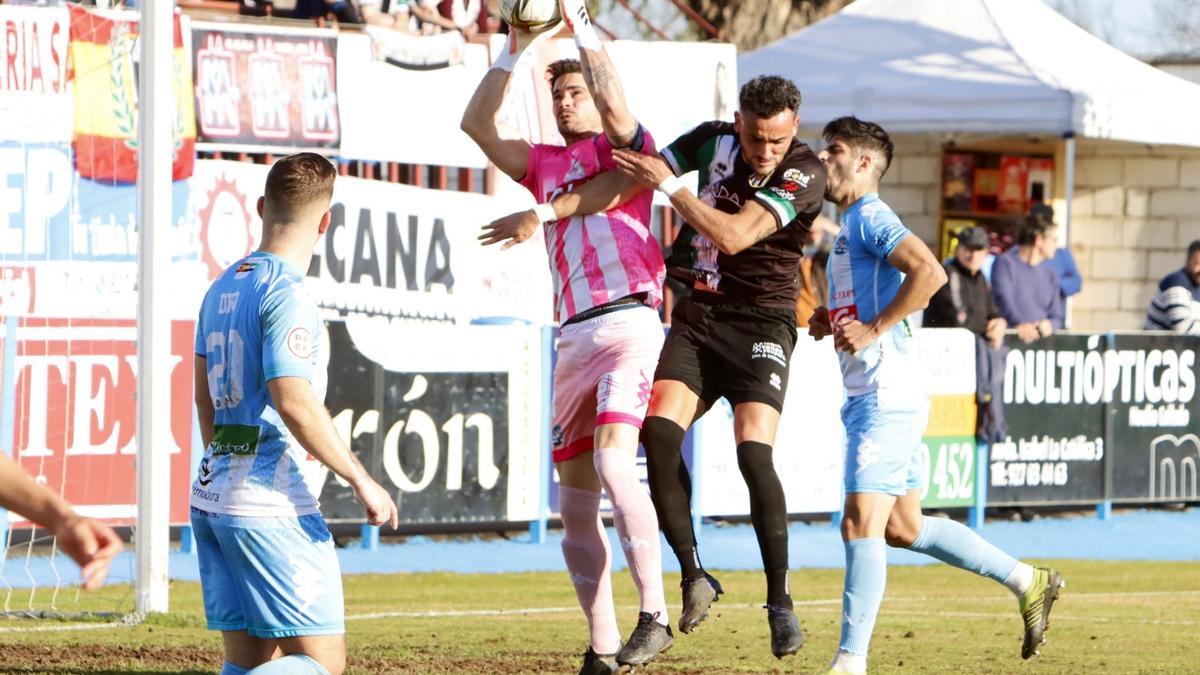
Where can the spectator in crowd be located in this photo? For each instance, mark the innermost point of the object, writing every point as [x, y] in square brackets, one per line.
[469, 17]
[1025, 285]
[1174, 309]
[345, 11]
[1176, 306]
[392, 14]
[1069, 281]
[1188, 276]
[966, 300]
[814, 285]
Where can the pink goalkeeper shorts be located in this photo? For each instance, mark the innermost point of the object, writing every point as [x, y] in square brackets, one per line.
[603, 376]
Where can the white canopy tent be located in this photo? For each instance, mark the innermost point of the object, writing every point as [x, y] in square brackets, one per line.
[978, 66]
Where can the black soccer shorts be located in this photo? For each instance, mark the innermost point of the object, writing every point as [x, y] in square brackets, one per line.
[740, 352]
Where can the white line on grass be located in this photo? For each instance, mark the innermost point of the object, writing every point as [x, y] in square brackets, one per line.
[436, 614]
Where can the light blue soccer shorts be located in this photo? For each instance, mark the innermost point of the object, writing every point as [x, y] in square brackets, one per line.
[883, 443]
[272, 577]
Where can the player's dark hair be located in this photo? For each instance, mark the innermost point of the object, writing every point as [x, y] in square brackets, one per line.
[1194, 248]
[297, 181]
[562, 67]
[1032, 228]
[769, 95]
[862, 136]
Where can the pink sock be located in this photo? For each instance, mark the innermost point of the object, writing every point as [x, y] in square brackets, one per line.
[637, 525]
[585, 548]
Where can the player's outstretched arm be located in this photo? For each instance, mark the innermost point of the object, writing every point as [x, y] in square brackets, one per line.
[619, 125]
[90, 543]
[606, 191]
[309, 422]
[730, 232]
[502, 144]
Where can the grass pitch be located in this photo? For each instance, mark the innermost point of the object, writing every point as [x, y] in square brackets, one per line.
[1112, 618]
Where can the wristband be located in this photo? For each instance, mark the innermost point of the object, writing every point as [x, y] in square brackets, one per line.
[545, 213]
[586, 38]
[671, 184]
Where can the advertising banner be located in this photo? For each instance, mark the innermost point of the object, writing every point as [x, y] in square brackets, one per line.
[1153, 418]
[266, 86]
[1055, 395]
[456, 437]
[76, 382]
[392, 114]
[948, 444]
[35, 99]
[391, 250]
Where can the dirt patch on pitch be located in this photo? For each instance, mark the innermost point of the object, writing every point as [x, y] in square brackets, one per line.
[95, 658]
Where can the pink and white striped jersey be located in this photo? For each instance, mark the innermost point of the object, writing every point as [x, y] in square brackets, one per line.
[599, 258]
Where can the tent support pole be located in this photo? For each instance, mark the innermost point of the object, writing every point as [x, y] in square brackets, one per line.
[1069, 181]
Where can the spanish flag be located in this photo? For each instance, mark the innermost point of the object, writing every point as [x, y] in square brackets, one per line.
[104, 69]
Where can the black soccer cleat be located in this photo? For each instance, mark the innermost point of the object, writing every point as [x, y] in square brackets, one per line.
[786, 636]
[648, 640]
[699, 593]
[598, 664]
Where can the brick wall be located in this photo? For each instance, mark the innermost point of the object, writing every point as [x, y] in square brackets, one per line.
[1135, 211]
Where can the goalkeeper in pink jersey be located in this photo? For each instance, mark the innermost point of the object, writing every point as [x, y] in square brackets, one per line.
[608, 272]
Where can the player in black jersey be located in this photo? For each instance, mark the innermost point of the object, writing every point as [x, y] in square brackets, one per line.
[759, 191]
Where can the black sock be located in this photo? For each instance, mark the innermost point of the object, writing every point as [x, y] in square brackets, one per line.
[768, 512]
[671, 490]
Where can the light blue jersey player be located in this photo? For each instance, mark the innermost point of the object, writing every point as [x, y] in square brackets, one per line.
[879, 274]
[268, 571]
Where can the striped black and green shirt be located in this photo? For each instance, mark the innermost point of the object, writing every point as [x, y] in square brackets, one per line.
[764, 274]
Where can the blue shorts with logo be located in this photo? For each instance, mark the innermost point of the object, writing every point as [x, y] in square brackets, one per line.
[272, 577]
[883, 442]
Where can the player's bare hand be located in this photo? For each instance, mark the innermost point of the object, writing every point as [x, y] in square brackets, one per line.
[852, 336]
[818, 323]
[91, 544]
[378, 504]
[645, 169]
[1028, 332]
[510, 230]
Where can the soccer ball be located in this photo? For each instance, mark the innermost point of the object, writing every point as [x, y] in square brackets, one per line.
[529, 14]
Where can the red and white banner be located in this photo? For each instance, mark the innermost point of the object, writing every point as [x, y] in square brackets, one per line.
[76, 417]
[35, 100]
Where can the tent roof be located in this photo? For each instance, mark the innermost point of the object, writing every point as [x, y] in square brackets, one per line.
[991, 66]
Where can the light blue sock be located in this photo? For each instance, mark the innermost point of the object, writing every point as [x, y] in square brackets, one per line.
[232, 669]
[866, 575]
[293, 664]
[956, 544]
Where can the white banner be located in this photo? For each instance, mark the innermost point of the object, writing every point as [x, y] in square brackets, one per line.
[809, 446]
[391, 250]
[35, 98]
[395, 114]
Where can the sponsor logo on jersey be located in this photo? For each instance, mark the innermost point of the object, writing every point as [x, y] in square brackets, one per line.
[797, 176]
[234, 439]
[556, 436]
[840, 246]
[840, 314]
[784, 193]
[299, 342]
[776, 381]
